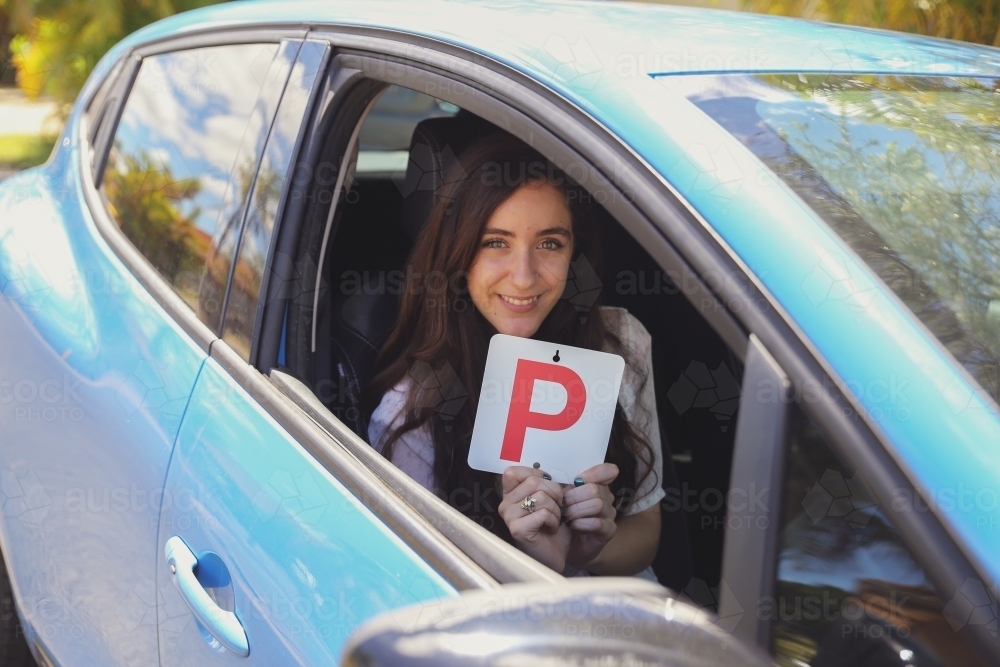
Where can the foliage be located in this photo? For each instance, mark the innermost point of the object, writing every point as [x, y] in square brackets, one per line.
[968, 20]
[58, 42]
[25, 150]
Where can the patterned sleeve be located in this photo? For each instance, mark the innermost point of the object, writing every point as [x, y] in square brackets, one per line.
[413, 453]
[638, 401]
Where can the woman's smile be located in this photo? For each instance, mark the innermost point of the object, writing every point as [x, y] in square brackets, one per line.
[520, 304]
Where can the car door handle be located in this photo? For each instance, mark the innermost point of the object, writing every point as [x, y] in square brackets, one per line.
[222, 624]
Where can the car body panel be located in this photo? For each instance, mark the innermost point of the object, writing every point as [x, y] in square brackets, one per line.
[97, 377]
[309, 562]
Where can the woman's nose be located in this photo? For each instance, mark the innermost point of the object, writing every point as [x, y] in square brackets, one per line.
[523, 271]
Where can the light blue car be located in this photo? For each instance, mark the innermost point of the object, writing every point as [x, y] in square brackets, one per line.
[193, 290]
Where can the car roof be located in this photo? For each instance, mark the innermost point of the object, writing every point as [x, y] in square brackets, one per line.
[563, 39]
[612, 59]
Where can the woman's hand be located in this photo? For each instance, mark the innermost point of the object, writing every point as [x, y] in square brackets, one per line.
[590, 512]
[539, 533]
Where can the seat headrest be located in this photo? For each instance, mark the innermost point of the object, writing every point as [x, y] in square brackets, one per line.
[434, 148]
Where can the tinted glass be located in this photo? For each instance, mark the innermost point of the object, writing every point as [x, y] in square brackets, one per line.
[384, 142]
[904, 169]
[849, 591]
[268, 187]
[172, 171]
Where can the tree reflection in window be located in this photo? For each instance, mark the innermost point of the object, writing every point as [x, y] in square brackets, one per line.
[183, 158]
[144, 197]
[904, 169]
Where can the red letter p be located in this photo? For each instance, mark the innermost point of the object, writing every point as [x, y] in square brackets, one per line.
[520, 417]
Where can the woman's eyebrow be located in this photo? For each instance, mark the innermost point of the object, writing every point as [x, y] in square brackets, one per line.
[562, 231]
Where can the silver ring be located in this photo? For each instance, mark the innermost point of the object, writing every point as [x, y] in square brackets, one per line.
[528, 504]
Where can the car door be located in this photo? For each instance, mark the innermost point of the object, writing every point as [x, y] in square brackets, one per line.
[816, 569]
[96, 373]
[848, 586]
[266, 554]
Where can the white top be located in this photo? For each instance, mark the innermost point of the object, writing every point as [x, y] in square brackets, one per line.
[413, 452]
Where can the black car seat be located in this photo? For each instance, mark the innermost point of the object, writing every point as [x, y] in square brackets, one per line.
[360, 321]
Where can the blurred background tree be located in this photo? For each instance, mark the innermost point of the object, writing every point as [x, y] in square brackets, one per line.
[967, 20]
[56, 43]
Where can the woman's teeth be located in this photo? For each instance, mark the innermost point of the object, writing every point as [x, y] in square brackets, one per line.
[518, 302]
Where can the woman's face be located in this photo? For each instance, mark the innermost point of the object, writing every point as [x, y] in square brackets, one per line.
[520, 270]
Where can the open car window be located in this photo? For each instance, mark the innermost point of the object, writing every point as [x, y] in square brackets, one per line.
[362, 271]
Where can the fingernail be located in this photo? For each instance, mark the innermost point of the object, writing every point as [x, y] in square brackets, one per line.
[547, 476]
[578, 481]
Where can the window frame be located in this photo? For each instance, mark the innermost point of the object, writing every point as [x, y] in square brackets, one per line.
[349, 71]
[750, 551]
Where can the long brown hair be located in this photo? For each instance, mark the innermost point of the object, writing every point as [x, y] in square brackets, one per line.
[441, 340]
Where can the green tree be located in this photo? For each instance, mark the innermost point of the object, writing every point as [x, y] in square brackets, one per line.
[968, 20]
[58, 42]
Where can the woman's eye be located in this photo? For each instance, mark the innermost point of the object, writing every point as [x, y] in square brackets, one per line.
[493, 243]
[551, 244]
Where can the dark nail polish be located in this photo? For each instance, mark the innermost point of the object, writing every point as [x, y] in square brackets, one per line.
[578, 481]
[547, 476]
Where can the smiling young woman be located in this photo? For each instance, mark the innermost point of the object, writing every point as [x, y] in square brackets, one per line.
[520, 271]
[506, 230]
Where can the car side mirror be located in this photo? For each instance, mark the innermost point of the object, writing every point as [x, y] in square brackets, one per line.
[605, 621]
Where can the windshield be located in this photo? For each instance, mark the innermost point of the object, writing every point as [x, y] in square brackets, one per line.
[904, 169]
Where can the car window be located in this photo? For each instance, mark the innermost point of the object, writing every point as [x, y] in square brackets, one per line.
[268, 188]
[176, 174]
[904, 169]
[363, 272]
[384, 142]
[848, 587]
